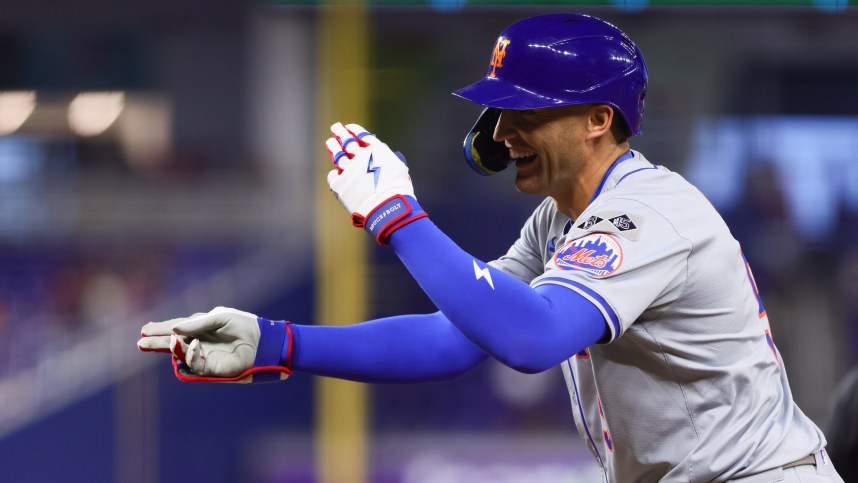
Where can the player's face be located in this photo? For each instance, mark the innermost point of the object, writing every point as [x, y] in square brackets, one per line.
[547, 146]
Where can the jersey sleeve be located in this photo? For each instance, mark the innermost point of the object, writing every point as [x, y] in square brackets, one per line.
[524, 259]
[625, 258]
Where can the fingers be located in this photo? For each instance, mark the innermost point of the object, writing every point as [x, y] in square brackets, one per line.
[346, 139]
[159, 328]
[191, 355]
[206, 362]
[364, 137]
[200, 323]
[350, 137]
[155, 336]
[159, 343]
[193, 358]
[181, 336]
[336, 152]
[178, 347]
[332, 176]
[164, 328]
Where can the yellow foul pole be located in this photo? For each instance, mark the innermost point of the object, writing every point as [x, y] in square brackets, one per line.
[341, 257]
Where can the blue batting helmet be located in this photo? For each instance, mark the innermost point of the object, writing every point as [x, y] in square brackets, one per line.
[563, 59]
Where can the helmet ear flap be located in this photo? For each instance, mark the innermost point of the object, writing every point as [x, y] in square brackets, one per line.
[483, 154]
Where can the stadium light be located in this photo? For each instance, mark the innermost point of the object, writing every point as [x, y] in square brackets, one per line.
[15, 108]
[91, 113]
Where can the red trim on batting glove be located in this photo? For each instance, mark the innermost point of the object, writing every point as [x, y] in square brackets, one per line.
[242, 378]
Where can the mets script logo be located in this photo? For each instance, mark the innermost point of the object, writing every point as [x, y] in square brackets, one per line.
[598, 254]
[498, 55]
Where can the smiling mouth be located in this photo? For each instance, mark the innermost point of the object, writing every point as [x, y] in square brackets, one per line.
[521, 158]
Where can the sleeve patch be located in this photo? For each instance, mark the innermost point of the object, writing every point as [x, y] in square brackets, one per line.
[597, 254]
[617, 222]
[589, 222]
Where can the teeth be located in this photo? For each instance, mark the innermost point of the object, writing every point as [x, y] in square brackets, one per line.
[520, 154]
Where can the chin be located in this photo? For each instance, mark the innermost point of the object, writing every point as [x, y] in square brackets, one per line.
[526, 186]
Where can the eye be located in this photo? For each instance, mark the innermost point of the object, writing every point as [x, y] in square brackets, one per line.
[534, 116]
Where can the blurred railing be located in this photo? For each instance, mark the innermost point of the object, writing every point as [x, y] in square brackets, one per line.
[245, 255]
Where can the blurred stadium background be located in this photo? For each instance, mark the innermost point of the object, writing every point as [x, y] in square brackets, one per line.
[161, 158]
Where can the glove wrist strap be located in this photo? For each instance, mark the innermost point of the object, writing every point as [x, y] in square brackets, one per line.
[273, 334]
[389, 216]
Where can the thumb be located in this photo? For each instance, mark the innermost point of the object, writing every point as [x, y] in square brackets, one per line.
[200, 324]
[401, 157]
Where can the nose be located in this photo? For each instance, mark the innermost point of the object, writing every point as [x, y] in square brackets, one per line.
[503, 129]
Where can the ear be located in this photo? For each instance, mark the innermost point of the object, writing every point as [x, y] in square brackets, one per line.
[599, 120]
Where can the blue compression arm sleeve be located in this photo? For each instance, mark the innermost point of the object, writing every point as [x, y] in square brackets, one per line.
[408, 348]
[527, 329]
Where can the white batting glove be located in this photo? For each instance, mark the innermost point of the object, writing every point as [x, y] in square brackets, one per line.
[224, 345]
[371, 182]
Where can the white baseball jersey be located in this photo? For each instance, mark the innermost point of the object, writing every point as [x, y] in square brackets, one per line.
[689, 385]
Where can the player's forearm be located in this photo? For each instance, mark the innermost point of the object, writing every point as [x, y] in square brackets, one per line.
[408, 348]
[528, 329]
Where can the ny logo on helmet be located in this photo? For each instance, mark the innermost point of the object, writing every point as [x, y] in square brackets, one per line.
[498, 54]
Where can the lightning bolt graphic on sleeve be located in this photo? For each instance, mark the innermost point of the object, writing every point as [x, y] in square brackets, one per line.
[483, 273]
[375, 170]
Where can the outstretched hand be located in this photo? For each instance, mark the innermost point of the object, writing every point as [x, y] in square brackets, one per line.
[223, 345]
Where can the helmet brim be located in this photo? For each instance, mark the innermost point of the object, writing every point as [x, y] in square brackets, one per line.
[500, 94]
[495, 92]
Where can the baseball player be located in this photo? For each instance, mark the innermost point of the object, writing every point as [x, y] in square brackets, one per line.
[625, 276]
